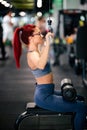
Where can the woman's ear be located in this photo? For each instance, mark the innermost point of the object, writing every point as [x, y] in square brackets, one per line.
[29, 38]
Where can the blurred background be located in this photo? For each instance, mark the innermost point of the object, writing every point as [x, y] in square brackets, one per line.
[68, 57]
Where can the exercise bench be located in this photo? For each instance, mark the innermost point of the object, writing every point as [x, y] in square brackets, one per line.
[33, 110]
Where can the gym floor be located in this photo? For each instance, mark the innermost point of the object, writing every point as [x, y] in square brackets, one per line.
[17, 89]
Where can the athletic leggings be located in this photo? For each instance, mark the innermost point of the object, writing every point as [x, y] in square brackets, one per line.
[46, 97]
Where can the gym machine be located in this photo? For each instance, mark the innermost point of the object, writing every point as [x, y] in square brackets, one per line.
[81, 50]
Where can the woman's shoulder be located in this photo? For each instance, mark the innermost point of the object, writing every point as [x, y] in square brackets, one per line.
[33, 55]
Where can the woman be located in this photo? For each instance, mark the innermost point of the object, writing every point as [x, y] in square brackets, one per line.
[45, 95]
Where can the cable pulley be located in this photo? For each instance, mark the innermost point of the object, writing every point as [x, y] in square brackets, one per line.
[49, 21]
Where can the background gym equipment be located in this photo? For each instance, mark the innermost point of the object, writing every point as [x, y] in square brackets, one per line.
[72, 56]
[67, 20]
[78, 66]
[49, 21]
[49, 25]
[68, 91]
[81, 50]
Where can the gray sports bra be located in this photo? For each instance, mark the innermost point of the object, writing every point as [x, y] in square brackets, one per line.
[39, 72]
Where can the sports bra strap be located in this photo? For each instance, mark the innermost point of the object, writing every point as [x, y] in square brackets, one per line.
[30, 50]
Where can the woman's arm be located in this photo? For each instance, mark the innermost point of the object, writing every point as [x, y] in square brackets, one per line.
[40, 60]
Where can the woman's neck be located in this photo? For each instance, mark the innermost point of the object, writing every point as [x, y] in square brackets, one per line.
[32, 47]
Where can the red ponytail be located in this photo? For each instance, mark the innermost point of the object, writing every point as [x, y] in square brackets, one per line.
[21, 36]
[17, 47]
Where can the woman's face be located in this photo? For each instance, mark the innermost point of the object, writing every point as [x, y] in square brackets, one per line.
[37, 36]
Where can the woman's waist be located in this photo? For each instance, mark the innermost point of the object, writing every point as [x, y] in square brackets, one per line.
[46, 79]
[44, 86]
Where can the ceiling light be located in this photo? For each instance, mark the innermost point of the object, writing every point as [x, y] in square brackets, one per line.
[39, 3]
[39, 14]
[22, 13]
[11, 6]
[3, 2]
[7, 5]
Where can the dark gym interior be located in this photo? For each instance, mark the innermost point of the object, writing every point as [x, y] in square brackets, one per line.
[17, 85]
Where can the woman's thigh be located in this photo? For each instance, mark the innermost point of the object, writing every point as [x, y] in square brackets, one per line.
[57, 103]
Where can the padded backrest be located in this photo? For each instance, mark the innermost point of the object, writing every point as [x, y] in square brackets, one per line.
[81, 43]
